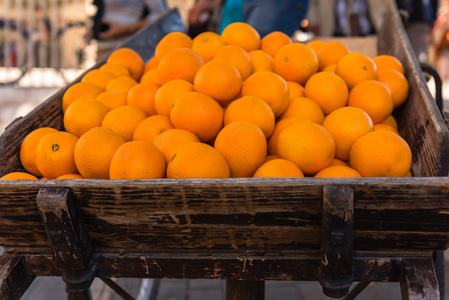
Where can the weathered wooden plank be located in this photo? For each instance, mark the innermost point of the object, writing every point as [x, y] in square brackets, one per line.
[419, 280]
[14, 277]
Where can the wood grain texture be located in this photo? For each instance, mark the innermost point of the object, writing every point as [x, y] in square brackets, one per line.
[14, 277]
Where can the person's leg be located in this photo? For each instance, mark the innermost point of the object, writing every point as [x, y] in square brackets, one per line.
[275, 15]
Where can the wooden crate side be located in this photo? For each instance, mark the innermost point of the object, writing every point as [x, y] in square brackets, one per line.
[234, 215]
[419, 119]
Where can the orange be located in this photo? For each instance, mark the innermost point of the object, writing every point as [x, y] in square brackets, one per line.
[252, 109]
[166, 95]
[338, 171]
[278, 168]
[390, 120]
[374, 98]
[70, 176]
[149, 77]
[331, 53]
[28, 149]
[94, 151]
[238, 57]
[113, 98]
[54, 154]
[346, 125]
[295, 62]
[270, 157]
[123, 83]
[98, 77]
[197, 160]
[317, 47]
[241, 34]
[124, 120]
[397, 84]
[383, 126]
[244, 147]
[409, 174]
[388, 62]
[295, 89]
[181, 63]
[381, 153]
[84, 114]
[169, 141]
[130, 59]
[170, 41]
[117, 69]
[305, 108]
[261, 61]
[18, 176]
[142, 96]
[280, 125]
[270, 87]
[199, 114]
[330, 68]
[338, 162]
[220, 80]
[137, 160]
[79, 90]
[274, 41]
[328, 90]
[151, 64]
[355, 68]
[151, 127]
[206, 44]
[309, 145]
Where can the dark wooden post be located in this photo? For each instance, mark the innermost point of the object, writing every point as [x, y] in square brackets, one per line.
[14, 277]
[419, 280]
[336, 272]
[70, 242]
[245, 290]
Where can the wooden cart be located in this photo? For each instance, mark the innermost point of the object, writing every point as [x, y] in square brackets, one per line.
[244, 230]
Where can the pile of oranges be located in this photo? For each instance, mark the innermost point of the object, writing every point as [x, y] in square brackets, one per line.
[229, 105]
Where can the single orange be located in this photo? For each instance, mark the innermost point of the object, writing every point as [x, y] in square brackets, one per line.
[137, 160]
[181, 63]
[252, 109]
[54, 154]
[270, 157]
[199, 114]
[295, 89]
[79, 90]
[84, 114]
[374, 98]
[309, 145]
[151, 127]
[115, 68]
[70, 176]
[170, 140]
[305, 108]
[238, 57]
[149, 77]
[142, 96]
[94, 150]
[170, 41]
[197, 160]
[381, 153]
[261, 61]
[241, 34]
[355, 68]
[272, 141]
[330, 68]
[278, 168]
[338, 162]
[274, 41]
[206, 44]
[18, 176]
[384, 126]
[113, 98]
[338, 171]
[28, 149]
[130, 59]
[390, 120]
[220, 80]
[388, 62]
[123, 83]
[270, 87]
[397, 84]
[98, 77]
[124, 120]
[331, 53]
[166, 95]
[244, 147]
[346, 125]
[295, 62]
[151, 64]
[328, 90]
[317, 47]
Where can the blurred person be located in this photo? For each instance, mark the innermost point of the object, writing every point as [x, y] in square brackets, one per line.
[116, 20]
[264, 15]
